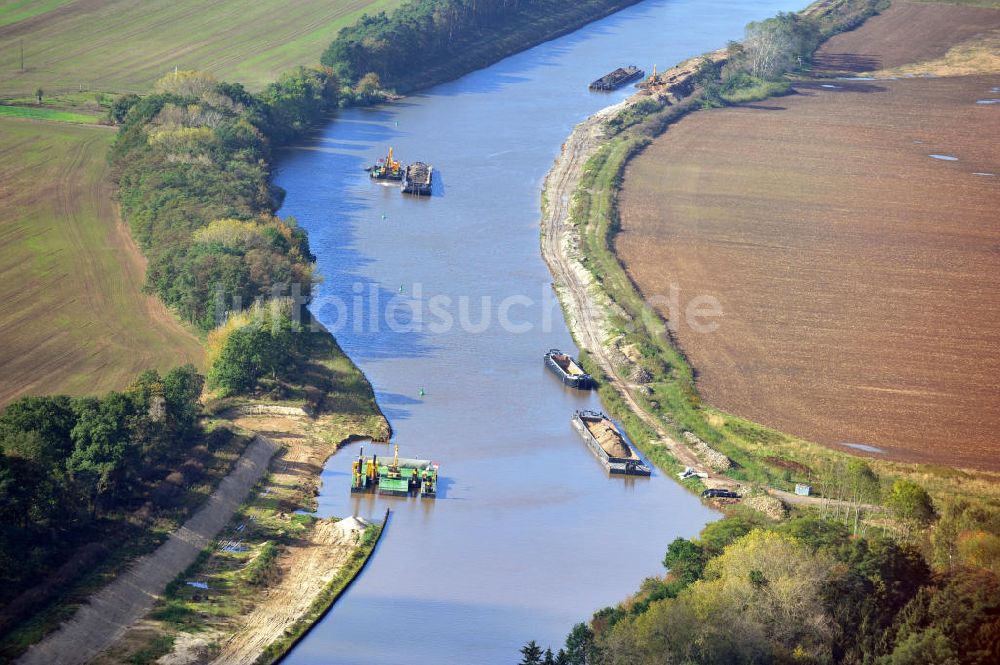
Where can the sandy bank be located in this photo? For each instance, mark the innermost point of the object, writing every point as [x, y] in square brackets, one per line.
[586, 306]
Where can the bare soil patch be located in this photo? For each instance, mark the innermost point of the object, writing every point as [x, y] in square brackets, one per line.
[859, 277]
[237, 621]
[905, 33]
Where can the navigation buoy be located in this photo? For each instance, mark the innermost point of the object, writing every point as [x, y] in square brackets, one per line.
[383, 216]
[401, 288]
[397, 123]
[421, 391]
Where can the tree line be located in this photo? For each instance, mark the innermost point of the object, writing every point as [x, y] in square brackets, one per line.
[803, 591]
[71, 464]
[192, 162]
[426, 41]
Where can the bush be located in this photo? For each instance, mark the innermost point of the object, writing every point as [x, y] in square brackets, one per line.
[263, 567]
[260, 342]
[910, 501]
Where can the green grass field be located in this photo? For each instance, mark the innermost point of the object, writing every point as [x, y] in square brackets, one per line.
[48, 114]
[12, 11]
[125, 45]
[75, 318]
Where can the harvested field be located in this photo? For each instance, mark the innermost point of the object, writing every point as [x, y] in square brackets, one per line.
[125, 45]
[859, 277]
[74, 317]
[907, 32]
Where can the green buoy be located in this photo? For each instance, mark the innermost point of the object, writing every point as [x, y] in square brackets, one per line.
[421, 391]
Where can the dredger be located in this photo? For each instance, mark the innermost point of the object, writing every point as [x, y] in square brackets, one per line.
[401, 477]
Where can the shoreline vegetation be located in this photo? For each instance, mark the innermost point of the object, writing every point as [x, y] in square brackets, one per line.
[890, 539]
[193, 165]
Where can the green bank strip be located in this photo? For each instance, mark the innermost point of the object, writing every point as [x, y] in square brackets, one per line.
[48, 114]
[277, 650]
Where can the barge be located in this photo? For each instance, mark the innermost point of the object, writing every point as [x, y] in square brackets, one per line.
[400, 477]
[386, 169]
[608, 444]
[568, 370]
[617, 78]
[417, 179]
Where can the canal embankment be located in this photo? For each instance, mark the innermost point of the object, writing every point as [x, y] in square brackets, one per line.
[646, 381]
[649, 382]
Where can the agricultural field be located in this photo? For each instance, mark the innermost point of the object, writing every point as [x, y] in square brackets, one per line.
[75, 319]
[858, 274]
[126, 45]
[909, 32]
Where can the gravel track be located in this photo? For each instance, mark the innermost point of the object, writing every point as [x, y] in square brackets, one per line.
[109, 612]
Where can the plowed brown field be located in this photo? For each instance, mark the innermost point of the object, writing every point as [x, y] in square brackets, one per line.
[859, 277]
[907, 32]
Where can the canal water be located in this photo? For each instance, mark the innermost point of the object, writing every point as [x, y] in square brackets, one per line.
[446, 305]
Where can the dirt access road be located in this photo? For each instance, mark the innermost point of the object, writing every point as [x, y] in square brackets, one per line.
[586, 306]
[306, 565]
[103, 620]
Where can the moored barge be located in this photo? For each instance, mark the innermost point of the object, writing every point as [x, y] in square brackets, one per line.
[608, 444]
[401, 477]
[568, 370]
[417, 179]
[617, 78]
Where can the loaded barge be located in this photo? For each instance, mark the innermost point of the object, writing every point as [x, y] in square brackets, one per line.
[401, 477]
[568, 370]
[608, 444]
[617, 78]
[417, 179]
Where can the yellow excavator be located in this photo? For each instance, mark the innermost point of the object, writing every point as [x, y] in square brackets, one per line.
[394, 473]
[387, 169]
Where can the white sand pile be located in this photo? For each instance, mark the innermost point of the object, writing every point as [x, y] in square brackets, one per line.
[352, 525]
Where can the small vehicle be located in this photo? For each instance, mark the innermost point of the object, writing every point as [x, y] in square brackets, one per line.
[718, 493]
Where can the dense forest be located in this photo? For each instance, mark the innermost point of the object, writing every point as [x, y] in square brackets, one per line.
[801, 591]
[192, 163]
[429, 41]
[76, 469]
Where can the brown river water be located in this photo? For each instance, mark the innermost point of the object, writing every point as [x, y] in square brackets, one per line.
[446, 305]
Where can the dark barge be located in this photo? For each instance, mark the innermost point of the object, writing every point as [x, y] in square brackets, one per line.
[417, 179]
[608, 444]
[617, 78]
[568, 370]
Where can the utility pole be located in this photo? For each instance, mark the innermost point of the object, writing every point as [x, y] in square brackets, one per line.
[22, 54]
